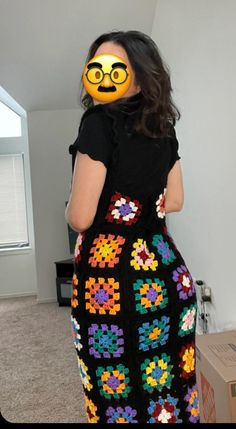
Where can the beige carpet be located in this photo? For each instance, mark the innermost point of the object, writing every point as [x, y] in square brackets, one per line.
[39, 378]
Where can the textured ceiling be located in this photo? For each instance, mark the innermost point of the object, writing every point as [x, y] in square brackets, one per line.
[44, 44]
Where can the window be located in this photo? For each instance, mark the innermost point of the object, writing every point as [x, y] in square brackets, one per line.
[13, 220]
[10, 122]
[16, 217]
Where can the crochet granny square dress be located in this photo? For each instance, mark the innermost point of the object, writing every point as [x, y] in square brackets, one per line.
[133, 309]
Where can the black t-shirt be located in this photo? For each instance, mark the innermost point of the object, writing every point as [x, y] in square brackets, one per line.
[96, 135]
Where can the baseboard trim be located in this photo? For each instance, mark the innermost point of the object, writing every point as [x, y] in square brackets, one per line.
[18, 295]
[46, 300]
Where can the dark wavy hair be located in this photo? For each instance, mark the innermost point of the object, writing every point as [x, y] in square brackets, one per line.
[157, 113]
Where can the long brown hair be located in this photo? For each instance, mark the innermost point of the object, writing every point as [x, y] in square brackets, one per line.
[157, 113]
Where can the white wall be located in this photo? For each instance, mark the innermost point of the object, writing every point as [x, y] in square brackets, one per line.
[198, 41]
[18, 274]
[50, 134]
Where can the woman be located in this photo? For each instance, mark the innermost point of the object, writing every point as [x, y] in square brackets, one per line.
[134, 301]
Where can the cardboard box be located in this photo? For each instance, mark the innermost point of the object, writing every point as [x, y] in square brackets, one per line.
[216, 376]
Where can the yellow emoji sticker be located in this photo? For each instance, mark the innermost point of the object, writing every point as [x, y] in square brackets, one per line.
[106, 77]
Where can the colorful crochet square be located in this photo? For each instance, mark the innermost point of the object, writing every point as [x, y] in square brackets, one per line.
[113, 381]
[142, 258]
[123, 210]
[187, 320]
[121, 415]
[187, 355]
[105, 341]
[150, 295]
[160, 205]
[76, 333]
[102, 296]
[185, 285]
[91, 411]
[163, 249]
[164, 411]
[85, 377]
[105, 250]
[154, 334]
[157, 373]
[78, 246]
[192, 398]
[74, 297]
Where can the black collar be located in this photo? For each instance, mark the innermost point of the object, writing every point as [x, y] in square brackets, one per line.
[127, 105]
[124, 110]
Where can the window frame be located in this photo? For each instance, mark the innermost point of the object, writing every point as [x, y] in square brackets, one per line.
[19, 145]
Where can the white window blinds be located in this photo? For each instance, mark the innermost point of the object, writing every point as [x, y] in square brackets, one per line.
[13, 221]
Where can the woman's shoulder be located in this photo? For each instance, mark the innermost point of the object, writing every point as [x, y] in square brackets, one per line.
[95, 116]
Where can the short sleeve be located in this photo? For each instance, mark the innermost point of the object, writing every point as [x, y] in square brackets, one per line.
[174, 149]
[94, 138]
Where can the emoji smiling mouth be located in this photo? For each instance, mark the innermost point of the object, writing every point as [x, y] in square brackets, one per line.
[105, 89]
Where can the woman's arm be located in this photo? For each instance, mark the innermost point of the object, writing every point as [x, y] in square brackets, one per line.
[87, 184]
[175, 191]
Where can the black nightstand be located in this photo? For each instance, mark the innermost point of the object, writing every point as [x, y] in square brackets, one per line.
[64, 273]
